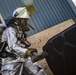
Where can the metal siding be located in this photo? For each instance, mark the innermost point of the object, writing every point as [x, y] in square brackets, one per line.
[7, 10]
[3, 8]
[52, 12]
[72, 14]
[39, 17]
[47, 12]
[67, 10]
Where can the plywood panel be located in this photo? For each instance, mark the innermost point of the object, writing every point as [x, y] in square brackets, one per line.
[39, 40]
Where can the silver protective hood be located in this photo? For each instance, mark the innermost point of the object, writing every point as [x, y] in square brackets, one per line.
[2, 24]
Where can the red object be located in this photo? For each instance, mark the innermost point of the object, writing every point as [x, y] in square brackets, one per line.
[34, 50]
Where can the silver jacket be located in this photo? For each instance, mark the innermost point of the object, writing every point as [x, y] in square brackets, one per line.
[20, 65]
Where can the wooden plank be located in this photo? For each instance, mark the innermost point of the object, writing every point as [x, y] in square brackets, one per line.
[39, 40]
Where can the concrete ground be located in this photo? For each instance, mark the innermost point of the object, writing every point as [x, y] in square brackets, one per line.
[45, 66]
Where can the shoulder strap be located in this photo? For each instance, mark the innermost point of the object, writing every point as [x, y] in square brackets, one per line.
[4, 53]
[3, 46]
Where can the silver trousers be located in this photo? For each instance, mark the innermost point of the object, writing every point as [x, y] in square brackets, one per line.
[22, 68]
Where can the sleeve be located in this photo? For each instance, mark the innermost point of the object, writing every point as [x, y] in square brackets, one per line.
[12, 42]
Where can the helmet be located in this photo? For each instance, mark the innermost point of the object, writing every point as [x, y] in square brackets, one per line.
[20, 17]
[21, 12]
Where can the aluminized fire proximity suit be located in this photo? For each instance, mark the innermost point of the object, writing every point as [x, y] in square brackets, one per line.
[20, 65]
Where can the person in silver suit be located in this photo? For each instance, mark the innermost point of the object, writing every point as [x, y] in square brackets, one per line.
[22, 64]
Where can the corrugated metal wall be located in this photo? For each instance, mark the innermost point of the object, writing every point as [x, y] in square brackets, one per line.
[72, 5]
[47, 12]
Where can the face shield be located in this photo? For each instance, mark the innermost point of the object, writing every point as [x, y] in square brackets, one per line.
[22, 23]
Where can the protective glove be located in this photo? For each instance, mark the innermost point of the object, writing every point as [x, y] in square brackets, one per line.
[30, 52]
[33, 50]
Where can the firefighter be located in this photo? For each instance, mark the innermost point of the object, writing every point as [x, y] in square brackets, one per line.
[21, 64]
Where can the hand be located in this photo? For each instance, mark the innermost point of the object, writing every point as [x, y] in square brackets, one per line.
[33, 51]
[30, 52]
